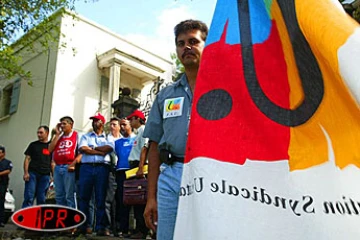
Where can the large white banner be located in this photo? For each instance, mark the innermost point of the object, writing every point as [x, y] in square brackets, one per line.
[274, 139]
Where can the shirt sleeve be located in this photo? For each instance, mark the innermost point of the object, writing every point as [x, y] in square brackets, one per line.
[10, 166]
[143, 141]
[110, 142]
[83, 141]
[153, 128]
[28, 150]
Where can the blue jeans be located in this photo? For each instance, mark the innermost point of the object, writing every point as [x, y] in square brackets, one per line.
[38, 184]
[93, 177]
[64, 186]
[168, 198]
[90, 220]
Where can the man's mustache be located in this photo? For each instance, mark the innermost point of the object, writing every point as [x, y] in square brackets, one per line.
[187, 53]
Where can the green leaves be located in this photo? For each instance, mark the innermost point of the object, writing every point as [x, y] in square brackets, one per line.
[31, 20]
[179, 68]
[353, 9]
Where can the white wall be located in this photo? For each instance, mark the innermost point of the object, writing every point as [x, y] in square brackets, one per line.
[34, 107]
[77, 82]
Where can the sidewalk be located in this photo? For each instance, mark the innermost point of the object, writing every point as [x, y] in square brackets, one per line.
[11, 231]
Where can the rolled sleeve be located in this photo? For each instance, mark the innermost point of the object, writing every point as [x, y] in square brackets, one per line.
[154, 126]
[110, 142]
[83, 141]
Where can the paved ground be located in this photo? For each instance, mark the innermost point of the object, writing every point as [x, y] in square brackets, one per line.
[10, 231]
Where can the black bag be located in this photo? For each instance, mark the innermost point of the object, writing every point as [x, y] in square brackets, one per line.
[135, 191]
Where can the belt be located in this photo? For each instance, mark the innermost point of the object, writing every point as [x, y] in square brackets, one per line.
[95, 164]
[169, 158]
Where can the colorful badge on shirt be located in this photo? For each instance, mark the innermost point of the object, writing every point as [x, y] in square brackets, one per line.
[173, 107]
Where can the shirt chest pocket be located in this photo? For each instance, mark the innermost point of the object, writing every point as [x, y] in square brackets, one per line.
[100, 142]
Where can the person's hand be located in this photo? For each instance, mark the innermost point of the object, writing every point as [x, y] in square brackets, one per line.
[71, 167]
[57, 129]
[151, 214]
[26, 177]
[140, 173]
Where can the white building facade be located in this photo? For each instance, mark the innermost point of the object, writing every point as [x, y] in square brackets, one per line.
[77, 80]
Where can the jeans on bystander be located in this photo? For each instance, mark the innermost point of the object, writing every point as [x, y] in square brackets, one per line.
[38, 184]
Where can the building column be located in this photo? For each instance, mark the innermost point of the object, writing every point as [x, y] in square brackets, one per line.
[114, 85]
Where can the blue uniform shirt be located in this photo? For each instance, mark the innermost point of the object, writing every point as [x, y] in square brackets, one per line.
[169, 117]
[92, 140]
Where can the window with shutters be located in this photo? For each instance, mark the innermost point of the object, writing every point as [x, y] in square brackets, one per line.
[10, 98]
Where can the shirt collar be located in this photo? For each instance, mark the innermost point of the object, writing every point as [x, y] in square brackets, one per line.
[101, 135]
[182, 81]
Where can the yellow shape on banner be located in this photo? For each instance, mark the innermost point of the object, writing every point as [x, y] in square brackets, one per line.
[338, 113]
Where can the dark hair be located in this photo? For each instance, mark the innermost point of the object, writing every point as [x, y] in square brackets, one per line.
[191, 24]
[46, 128]
[67, 118]
[142, 121]
[2, 148]
[115, 119]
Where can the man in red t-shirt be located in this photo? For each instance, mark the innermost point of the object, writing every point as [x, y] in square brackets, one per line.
[64, 149]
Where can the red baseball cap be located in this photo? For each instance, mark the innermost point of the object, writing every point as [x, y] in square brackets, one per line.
[137, 113]
[98, 116]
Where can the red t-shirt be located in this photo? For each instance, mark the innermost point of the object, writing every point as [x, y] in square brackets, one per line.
[65, 149]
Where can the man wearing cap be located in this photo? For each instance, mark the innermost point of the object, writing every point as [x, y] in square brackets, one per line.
[5, 169]
[137, 158]
[64, 149]
[94, 172]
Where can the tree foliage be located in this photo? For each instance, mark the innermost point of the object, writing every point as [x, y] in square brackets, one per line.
[179, 68]
[352, 8]
[19, 17]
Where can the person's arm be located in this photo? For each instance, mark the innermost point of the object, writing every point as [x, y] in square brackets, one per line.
[143, 154]
[26, 168]
[53, 164]
[84, 148]
[71, 166]
[105, 149]
[90, 151]
[55, 138]
[5, 172]
[108, 147]
[150, 213]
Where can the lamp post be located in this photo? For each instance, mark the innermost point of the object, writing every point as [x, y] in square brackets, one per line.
[125, 105]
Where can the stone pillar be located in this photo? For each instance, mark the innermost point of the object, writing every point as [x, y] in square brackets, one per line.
[114, 85]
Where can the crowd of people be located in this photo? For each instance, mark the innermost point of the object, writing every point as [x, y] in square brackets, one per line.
[89, 166]
[84, 170]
